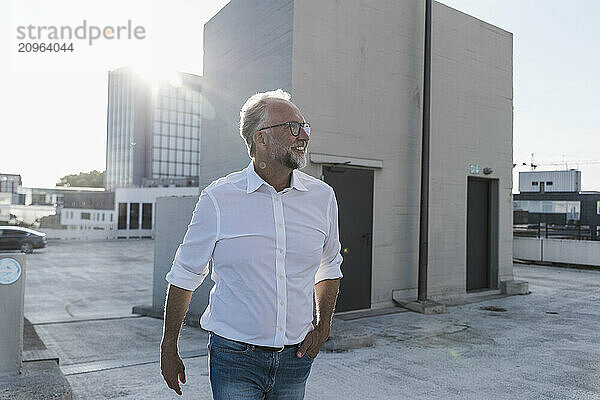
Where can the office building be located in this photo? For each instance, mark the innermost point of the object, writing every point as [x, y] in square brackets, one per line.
[153, 130]
[9, 183]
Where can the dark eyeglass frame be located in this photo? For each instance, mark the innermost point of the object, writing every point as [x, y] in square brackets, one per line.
[303, 125]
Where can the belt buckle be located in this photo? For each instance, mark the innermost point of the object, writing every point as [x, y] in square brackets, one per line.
[280, 350]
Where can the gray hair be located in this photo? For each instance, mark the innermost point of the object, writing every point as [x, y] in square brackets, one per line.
[254, 114]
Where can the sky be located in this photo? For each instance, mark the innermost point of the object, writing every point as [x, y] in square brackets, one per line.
[556, 65]
[54, 104]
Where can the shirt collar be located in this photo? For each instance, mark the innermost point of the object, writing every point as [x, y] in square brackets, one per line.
[254, 181]
[296, 183]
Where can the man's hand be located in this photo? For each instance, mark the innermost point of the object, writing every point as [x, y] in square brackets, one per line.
[326, 292]
[311, 345]
[171, 367]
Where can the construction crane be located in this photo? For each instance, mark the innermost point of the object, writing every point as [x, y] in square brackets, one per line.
[533, 164]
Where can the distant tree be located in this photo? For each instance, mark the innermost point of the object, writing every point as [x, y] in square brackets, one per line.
[83, 179]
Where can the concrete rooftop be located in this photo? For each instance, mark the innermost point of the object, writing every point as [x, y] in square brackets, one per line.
[544, 345]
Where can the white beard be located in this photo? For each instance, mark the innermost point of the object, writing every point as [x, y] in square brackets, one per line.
[286, 157]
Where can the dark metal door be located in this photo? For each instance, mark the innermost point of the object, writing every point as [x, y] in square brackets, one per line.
[354, 192]
[478, 236]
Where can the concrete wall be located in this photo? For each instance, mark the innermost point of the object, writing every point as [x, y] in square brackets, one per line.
[247, 49]
[471, 123]
[79, 234]
[357, 77]
[564, 251]
[355, 69]
[173, 215]
[527, 249]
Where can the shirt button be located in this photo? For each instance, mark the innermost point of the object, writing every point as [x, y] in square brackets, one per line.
[281, 251]
[280, 276]
[281, 302]
[280, 329]
[280, 224]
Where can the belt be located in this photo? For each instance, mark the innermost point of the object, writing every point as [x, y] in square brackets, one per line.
[266, 348]
[273, 349]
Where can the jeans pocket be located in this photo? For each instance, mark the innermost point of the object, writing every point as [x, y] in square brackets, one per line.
[224, 345]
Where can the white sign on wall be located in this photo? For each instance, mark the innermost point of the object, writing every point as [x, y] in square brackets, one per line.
[10, 271]
[598, 208]
[474, 169]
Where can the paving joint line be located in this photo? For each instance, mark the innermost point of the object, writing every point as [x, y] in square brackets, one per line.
[69, 321]
[84, 368]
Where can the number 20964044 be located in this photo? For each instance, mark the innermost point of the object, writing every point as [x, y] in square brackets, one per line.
[45, 47]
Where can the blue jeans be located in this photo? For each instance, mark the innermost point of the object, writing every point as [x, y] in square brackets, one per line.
[241, 371]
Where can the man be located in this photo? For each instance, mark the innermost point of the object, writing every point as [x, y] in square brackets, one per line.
[272, 234]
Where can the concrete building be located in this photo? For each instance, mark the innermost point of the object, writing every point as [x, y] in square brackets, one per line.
[30, 205]
[153, 129]
[554, 200]
[554, 221]
[135, 209]
[355, 70]
[550, 181]
[92, 210]
[30, 196]
[6, 200]
[9, 183]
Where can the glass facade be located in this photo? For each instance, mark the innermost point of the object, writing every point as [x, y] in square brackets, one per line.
[147, 216]
[122, 217]
[119, 157]
[176, 132]
[9, 183]
[134, 215]
[152, 132]
[572, 209]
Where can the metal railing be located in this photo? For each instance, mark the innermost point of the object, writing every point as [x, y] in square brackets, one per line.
[555, 231]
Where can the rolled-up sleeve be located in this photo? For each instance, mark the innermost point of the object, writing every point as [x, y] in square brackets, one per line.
[331, 259]
[190, 265]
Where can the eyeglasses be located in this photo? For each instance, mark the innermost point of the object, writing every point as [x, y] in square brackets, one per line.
[294, 127]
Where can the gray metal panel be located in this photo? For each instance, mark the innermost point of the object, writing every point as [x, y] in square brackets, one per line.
[11, 320]
[172, 217]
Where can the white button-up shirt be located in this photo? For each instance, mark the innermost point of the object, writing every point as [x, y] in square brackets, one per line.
[268, 250]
